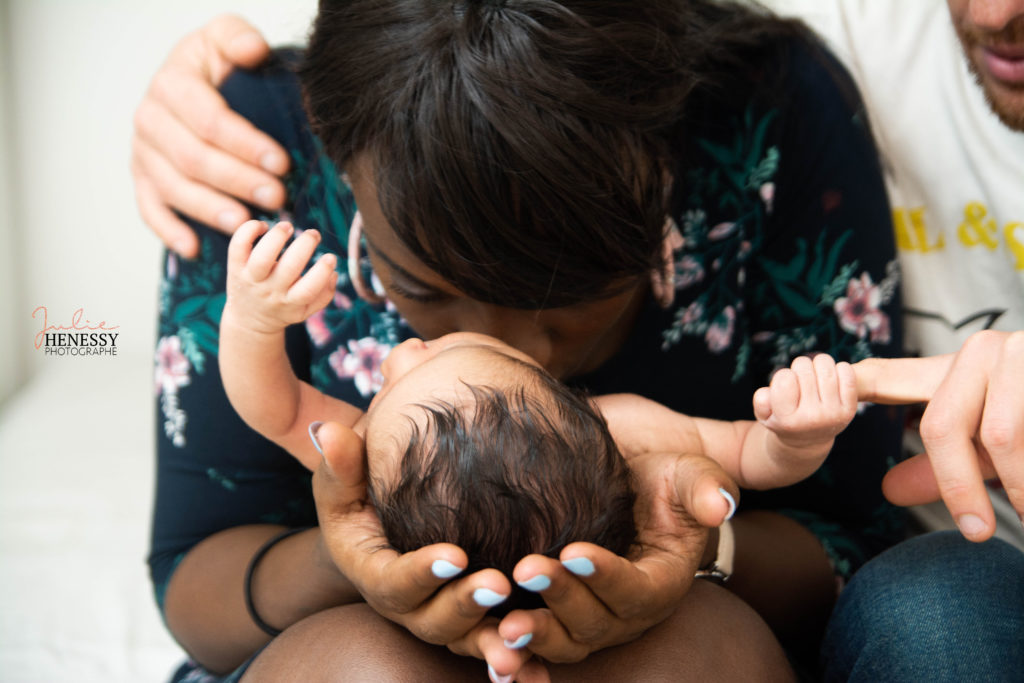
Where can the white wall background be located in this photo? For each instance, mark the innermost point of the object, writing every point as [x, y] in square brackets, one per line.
[76, 444]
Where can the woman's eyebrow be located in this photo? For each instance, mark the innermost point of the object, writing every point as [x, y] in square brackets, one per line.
[397, 268]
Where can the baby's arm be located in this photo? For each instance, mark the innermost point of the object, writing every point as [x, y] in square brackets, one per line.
[798, 418]
[265, 294]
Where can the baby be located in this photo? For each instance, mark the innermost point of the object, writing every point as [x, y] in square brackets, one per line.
[471, 442]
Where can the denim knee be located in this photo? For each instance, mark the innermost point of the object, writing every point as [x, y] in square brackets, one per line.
[933, 608]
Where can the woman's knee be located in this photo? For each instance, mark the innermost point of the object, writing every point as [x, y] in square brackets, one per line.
[354, 644]
[713, 636]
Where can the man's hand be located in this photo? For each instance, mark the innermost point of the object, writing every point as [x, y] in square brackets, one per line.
[972, 429]
[190, 152]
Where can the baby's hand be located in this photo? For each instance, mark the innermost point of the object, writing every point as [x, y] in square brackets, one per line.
[266, 293]
[809, 404]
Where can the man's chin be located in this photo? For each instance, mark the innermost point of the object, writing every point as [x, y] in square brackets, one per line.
[1007, 104]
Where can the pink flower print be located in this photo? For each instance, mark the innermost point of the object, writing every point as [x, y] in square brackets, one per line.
[689, 271]
[693, 313]
[172, 265]
[316, 326]
[858, 311]
[341, 301]
[172, 366]
[719, 334]
[721, 231]
[361, 363]
[767, 192]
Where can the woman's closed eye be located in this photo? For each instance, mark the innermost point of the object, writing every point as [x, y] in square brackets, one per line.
[421, 295]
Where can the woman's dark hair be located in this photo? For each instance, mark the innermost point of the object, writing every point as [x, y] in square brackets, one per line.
[520, 148]
[506, 475]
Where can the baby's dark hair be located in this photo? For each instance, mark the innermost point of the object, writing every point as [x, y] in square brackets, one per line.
[507, 475]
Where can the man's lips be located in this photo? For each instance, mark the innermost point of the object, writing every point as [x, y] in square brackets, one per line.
[1005, 63]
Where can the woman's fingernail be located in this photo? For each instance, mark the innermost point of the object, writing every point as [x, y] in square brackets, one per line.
[443, 569]
[485, 597]
[264, 195]
[229, 220]
[730, 500]
[536, 584]
[274, 163]
[520, 642]
[314, 427]
[970, 525]
[580, 566]
[493, 675]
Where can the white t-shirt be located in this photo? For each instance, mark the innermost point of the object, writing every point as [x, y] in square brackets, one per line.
[954, 172]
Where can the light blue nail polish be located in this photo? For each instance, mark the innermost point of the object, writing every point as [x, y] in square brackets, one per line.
[520, 642]
[496, 678]
[730, 500]
[314, 427]
[580, 566]
[536, 584]
[485, 597]
[443, 569]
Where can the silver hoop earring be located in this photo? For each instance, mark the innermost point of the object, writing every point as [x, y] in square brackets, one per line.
[355, 273]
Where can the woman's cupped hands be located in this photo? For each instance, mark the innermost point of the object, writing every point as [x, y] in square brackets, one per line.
[594, 598]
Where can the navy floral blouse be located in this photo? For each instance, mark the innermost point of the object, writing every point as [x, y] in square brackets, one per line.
[784, 248]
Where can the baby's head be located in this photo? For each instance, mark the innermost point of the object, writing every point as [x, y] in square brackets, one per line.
[470, 442]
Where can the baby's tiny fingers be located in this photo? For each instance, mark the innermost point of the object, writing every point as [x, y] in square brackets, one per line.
[847, 386]
[763, 403]
[315, 282]
[241, 243]
[294, 259]
[264, 254]
[828, 384]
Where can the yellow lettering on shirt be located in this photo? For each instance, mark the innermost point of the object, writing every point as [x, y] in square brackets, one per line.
[976, 230]
[912, 232]
[1014, 236]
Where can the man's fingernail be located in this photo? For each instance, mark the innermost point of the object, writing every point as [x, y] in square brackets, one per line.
[229, 220]
[443, 569]
[264, 195]
[580, 566]
[272, 162]
[730, 500]
[970, 525]
[493, 675]
[485, 597]
[536, 584]
[314, 427]
[520, 642]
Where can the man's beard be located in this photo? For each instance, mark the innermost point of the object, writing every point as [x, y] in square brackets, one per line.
[1012, 118]
[1011, 112]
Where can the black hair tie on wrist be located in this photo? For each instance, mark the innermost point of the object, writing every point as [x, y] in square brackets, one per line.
[251, 569]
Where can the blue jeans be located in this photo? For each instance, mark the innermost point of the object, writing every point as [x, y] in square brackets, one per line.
[933, 608]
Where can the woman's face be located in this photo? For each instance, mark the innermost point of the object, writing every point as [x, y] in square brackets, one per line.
[566, 341]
